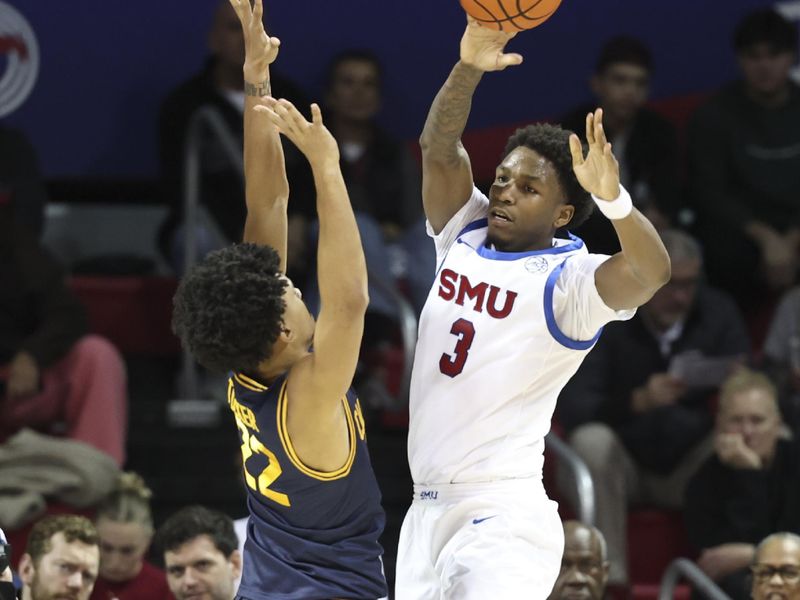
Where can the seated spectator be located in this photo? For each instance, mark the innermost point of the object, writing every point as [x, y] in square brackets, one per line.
[125, 528]
[638, 409]
[749, 488]
[54, 377]
[776, 568]
[645, 143]
[781, 356]
[61, 560]
[382, 178]
[220, 85]
[744, 155]
[584, 566]
[22, 188]
[200, 553]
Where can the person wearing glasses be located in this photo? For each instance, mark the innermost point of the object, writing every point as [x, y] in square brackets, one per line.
[776, 568]
[749, 488]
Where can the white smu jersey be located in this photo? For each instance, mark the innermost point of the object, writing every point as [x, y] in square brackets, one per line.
[500, 335]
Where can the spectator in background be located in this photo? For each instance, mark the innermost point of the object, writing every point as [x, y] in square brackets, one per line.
[21, 184]
[749, 488]
[744, 154]
[584, 566]
[781, 356]
[200, 553]
[125, 528]
[638, 409]
[220, 85]
[61, 560]
[644, 142]
[55, 378]
[776, 568]
[382, 178]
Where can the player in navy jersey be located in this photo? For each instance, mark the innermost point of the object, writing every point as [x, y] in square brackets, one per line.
[315, 514]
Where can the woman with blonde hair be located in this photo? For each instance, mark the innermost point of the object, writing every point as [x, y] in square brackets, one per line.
[125, 526]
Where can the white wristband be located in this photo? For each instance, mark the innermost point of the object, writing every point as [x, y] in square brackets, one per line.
[618, 208]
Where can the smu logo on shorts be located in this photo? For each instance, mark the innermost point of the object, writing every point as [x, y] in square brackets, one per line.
[478, 293]
[428, 495]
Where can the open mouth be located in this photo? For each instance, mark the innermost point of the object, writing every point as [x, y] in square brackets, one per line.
[499, 215]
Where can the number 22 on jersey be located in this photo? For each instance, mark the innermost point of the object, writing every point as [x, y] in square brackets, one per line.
[252, 445]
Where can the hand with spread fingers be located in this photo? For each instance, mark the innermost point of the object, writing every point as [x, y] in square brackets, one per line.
[261, 50]
[598, 172]
[313, 139]
[482, 48]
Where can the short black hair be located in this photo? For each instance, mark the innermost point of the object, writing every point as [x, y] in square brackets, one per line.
[552, 142]
[765, 26]
[192, 522]
[228, 309]
[624, 49]
[353, 54]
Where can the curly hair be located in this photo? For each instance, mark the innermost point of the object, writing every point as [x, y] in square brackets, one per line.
[228, 310]
[552, 142]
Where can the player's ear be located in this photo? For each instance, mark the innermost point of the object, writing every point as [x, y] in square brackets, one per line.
[286, 335]
[564, 215]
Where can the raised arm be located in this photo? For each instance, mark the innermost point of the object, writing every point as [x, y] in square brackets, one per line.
[446, 171]
[342, 269]
[266, 186]
[631, 277]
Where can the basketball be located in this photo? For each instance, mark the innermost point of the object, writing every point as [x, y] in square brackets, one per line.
[510, 15]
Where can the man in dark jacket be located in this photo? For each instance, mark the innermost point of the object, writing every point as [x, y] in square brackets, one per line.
[638, 407]
[749, 488]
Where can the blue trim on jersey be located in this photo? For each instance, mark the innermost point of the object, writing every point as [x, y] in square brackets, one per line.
[550, 318]
[473, 226]
[575, 244]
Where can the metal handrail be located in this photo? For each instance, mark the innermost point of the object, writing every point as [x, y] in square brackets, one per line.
[204, 117]
[408, 332]
[683, 567]
[580, 475]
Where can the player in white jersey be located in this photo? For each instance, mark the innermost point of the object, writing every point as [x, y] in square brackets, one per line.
[511, 315]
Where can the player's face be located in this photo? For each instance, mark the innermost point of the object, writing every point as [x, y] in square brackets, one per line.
[67, 572]
[296, 317]
[197, 570]
[765, 70]
[354, 92]
[776, 572]
[525, 203]
[753, 414]
[673, 302]
[622, 89]
[122, 549]
[583, 574]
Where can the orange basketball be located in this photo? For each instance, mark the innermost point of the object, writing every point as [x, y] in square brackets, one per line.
[510, 15]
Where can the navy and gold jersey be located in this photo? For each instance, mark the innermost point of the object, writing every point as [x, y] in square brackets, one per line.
[311, 534]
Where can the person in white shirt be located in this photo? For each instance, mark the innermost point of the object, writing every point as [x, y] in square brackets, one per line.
[512, 312]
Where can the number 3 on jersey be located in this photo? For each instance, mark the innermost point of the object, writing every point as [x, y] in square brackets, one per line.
[452, 365]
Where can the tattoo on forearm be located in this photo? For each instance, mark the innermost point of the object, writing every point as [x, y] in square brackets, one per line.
[259, 90]
[449, 112]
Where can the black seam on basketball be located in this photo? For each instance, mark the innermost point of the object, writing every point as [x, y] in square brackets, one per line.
[494, 19]
[524, 13]
[511, 18]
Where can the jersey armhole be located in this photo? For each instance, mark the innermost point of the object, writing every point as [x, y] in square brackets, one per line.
[286, 442]
[550, 318]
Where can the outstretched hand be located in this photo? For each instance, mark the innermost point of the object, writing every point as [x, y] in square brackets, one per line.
[482, 48]
[261, 50]
[598, 172]
[312, 138]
